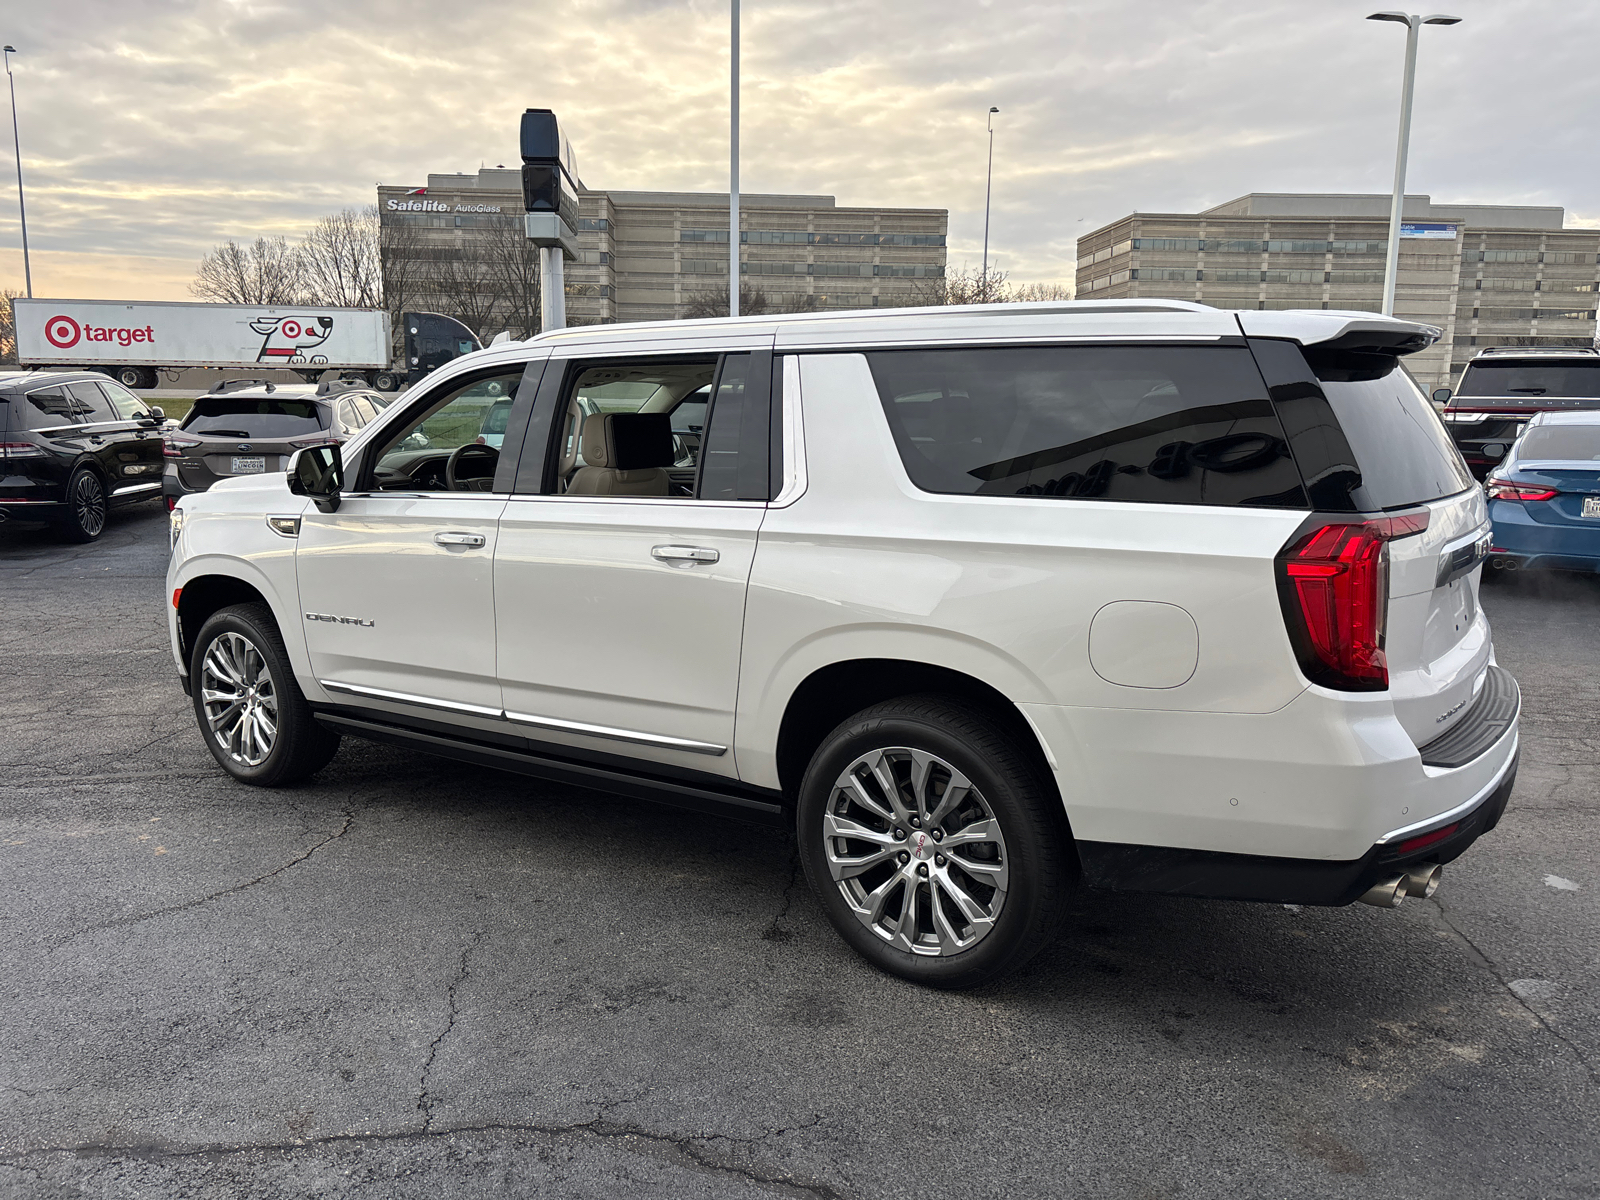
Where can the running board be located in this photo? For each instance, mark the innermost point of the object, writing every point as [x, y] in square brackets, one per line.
[707, 799]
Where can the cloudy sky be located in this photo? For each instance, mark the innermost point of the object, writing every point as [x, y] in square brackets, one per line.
[154, 129]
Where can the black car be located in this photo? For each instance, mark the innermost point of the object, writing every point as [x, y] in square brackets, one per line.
[251, 427]
[73, 446]
[1502, 387]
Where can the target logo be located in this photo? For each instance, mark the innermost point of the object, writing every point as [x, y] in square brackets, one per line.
[62, 332]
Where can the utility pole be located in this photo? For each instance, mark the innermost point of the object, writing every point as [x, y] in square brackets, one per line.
[733, 168]
[1413, 23]
[16, 139]
[988, 189]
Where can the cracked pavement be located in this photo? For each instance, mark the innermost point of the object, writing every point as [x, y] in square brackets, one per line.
[413, 978]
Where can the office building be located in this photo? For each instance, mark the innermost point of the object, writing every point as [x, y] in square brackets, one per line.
[648, 256]
[1487, 275]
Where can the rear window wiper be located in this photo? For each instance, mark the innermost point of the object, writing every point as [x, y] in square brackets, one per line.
[229, 433]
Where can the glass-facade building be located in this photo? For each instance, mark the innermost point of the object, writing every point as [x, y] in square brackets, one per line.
[649, 256]
[1488, 275]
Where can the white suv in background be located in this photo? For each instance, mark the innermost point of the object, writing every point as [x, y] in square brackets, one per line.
[985, 603]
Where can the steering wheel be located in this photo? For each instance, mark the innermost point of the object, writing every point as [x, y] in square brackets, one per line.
[475, 483]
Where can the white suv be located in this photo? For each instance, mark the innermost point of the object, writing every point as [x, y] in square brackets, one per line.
[985, 603]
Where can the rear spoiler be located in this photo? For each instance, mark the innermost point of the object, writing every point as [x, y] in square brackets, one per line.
[1362, 333]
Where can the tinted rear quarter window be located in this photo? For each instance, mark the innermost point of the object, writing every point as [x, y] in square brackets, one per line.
[1402, 449]
[1152, 424]
[246, 416]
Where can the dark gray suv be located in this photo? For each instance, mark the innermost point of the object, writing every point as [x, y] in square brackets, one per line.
[251, 427]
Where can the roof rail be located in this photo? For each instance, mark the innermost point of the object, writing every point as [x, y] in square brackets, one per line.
[330, 383]
[1563, 351]
[223, 386]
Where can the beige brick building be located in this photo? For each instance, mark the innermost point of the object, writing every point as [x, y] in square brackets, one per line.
[646, 255]
[1487, 275]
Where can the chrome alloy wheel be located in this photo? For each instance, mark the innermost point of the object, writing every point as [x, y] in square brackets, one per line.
[240, 700]
[916, 851]
[89, 503]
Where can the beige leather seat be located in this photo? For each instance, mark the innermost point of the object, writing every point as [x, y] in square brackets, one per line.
[625, 454]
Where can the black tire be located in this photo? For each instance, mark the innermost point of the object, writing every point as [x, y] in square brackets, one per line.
[300, 746]
[385, 381]
[129, 377]
[84, 518]
[1035, 844]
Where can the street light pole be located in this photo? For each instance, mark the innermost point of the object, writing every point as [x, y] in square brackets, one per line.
[16, 140]
[988, 190]
[733, 169]
[1413, 23]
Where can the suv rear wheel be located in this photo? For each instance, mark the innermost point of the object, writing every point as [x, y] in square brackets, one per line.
[936, 847]
[84, 518]
[252, 714]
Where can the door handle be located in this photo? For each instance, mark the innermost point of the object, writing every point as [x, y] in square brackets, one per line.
[458, 539]
[684, 556]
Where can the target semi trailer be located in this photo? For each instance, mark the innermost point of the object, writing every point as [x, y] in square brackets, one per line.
[131, 341]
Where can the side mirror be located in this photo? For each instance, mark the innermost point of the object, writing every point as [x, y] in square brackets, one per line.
[156, 413]
[318, 472]
[1441, 395]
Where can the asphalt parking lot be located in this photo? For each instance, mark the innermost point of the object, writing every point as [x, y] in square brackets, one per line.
[417, 979]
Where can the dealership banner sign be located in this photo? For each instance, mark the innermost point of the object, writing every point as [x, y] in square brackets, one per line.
[114, 333]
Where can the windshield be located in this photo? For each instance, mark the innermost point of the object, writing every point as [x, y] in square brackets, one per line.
[252, 417]
[1572, 379]
[1566, 443]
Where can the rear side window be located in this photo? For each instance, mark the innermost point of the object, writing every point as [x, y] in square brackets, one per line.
[1404, 453]
[53, 406]
[1509, 379]
[252, 417]
[1154, 424]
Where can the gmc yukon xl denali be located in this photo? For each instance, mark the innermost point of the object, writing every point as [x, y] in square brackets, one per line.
[984, 603]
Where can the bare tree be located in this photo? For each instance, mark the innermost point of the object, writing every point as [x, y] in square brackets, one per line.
[514, 261]
[340, 260]
[1042, 291]
[8, 325]
[404, 267]
[967, 285]
[466, 283]
[267, 271]
[754, 301]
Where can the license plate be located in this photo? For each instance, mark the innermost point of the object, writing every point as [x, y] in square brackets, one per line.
[1591, 506]
[250, 466]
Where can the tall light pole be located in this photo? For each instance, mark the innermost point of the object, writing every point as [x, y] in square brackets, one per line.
[22, 208]
[1412, 22]
[988, 189]
[733, 168]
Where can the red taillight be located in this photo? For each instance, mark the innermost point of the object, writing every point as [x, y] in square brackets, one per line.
[178, 447]
[1426, 839]
[1334, 587]
[307, 442]
[176, 592]
[21, 450]
[1499, 489]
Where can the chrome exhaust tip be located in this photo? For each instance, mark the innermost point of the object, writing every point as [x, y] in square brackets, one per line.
[1388, 894]
[1422, 880]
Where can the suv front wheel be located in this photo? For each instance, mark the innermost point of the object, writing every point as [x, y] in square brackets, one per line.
[252, 714]
[937, 849]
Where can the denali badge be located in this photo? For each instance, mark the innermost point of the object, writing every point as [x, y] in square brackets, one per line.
[340, 620]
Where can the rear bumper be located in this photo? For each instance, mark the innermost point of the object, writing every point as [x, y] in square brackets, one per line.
[1518, 538]
[1218, 876]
